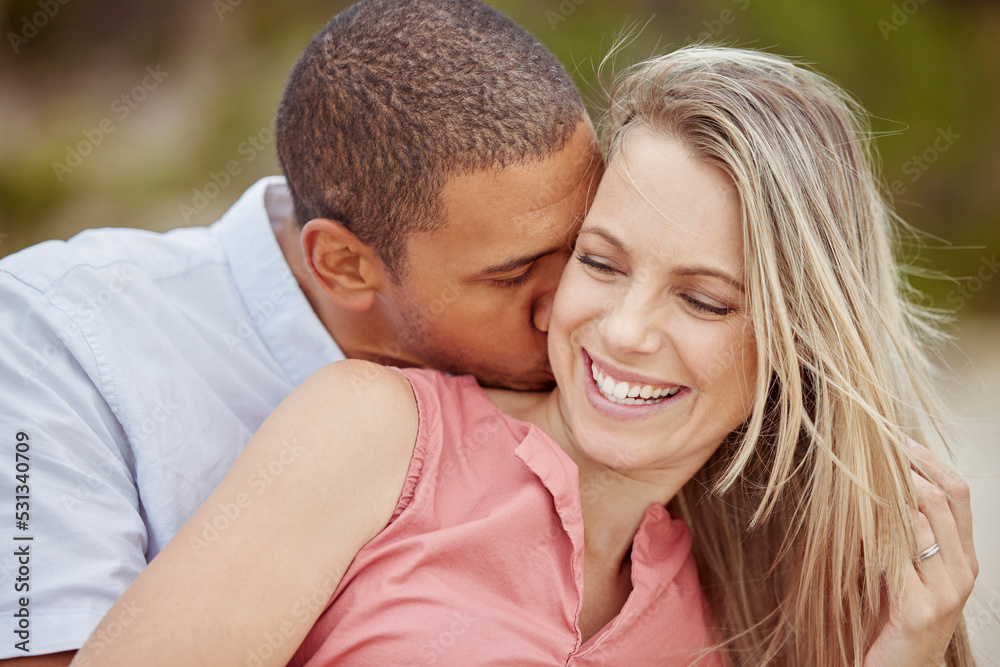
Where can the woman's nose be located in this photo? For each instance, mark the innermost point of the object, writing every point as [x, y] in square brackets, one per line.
[629, 327]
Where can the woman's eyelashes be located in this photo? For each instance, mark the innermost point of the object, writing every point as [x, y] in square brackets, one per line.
[596, 264]
[600, 265]
[707, 307]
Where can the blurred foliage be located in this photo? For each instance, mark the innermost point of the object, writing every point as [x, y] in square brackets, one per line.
[926, 71]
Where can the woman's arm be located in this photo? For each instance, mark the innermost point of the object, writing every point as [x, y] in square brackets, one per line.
[921, 623]
[318, 481]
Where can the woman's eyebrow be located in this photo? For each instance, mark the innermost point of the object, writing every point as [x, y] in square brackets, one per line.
[607, 236]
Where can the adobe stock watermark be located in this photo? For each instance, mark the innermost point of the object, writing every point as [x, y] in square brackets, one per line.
[31, 25]
[303, 612]
[565, 9]
[919, 163]
[983, 614]
[87, 485]
[223, 7]
[163, 408]
[121, 107]
[246, 152]
[110, 630]
[595, 486]
[391, 352]
[969, 287]
[900, 14]
[457, 625]
[483, 436]
[260, 312]
[714, 28]
[538, 552]
[84, 313]
[424, 321]
[230, 512]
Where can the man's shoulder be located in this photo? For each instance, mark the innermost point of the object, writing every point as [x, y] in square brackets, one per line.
[154, 254]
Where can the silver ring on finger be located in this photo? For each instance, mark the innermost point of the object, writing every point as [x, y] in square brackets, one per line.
[928, 552]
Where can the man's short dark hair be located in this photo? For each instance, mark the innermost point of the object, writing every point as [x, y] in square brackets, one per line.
[394, 97]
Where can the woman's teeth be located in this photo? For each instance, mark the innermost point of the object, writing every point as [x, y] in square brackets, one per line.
[624, 393]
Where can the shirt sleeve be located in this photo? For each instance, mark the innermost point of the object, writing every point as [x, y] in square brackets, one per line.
[70, 519]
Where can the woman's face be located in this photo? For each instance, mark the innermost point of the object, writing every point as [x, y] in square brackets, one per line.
[650, 340]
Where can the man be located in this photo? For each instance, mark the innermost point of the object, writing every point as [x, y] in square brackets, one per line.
[438, 163]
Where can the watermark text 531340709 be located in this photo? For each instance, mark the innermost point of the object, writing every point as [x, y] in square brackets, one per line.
[22, 541]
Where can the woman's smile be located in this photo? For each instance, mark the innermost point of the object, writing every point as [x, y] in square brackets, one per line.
[623, 395]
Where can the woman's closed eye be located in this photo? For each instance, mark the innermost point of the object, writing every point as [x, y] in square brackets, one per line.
[705, 307]
[596, 263]
[602, 266]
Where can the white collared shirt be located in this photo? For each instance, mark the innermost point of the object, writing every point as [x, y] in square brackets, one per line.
[136, 366]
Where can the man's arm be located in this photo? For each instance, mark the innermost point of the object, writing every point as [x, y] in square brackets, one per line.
[352, 426]
[72, 534]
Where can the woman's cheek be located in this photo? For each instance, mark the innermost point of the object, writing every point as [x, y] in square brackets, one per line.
[727, 359]
[570, 297]
[574, 313]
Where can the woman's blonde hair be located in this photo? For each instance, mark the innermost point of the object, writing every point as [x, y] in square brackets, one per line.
[802, 520]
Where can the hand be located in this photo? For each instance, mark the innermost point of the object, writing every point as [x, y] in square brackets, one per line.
[921, 623]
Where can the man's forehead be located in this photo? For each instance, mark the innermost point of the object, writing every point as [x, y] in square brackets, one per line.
[491, 241]
[526, 218]
[527, 187]
[517, 191]
[504, 217]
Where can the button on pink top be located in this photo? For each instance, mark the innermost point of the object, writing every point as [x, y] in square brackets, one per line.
[482, 563]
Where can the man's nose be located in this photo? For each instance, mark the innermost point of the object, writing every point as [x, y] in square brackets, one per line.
[548, 281]
[541, 313]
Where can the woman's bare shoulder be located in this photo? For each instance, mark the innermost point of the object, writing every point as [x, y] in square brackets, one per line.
[369, 393]
[353, 416]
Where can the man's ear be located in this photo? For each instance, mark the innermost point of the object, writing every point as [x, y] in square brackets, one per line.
[347, 269]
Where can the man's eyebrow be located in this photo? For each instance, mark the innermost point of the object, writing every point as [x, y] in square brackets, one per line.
[517, 262]
[694, 270]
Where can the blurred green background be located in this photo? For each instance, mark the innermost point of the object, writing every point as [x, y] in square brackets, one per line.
[91, 137]
[121, 113]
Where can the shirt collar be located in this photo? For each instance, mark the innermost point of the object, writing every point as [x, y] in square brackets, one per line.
[660, 547]
[559, 474]
[660, 537]
[275, 303]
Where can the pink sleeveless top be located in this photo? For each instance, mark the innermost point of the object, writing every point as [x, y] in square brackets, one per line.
[482, 562]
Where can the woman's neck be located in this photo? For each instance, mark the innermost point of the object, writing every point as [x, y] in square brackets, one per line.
[614, 501]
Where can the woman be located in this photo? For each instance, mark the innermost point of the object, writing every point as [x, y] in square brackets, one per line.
[728, 339]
